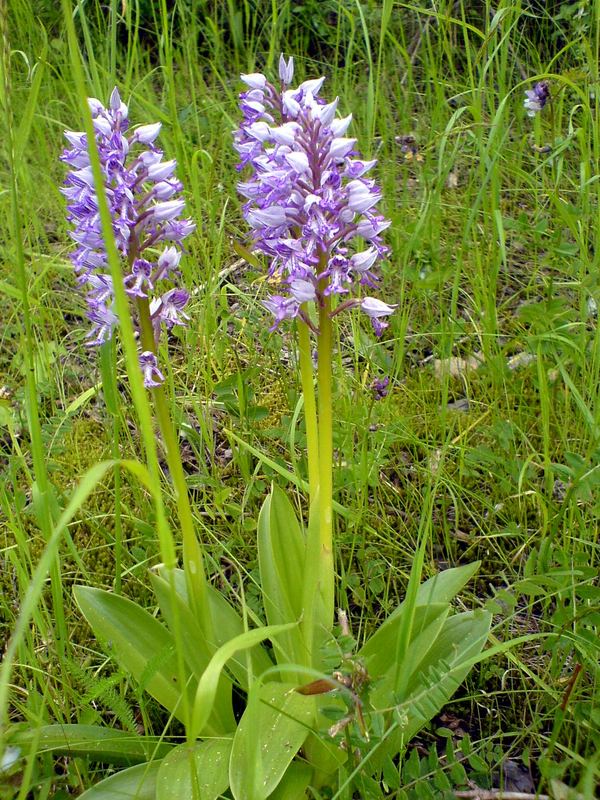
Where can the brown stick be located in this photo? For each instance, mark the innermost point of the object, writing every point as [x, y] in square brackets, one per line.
[569, 689]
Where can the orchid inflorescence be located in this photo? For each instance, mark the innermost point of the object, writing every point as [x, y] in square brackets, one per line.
[308, 200]
[141, 190]
[313, 214]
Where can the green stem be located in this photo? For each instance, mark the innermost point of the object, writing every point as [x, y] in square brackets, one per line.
[310, 408]
[325, 463]
[193, 560]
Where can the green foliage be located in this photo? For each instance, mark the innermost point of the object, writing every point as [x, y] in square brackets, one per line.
[135, 783]
[200, 770]
[271, 731]
[103, 744]
[494, 238]
[142, 646]
[282, 562]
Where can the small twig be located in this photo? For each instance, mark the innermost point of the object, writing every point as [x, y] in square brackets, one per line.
[569, 689]
[498, 794]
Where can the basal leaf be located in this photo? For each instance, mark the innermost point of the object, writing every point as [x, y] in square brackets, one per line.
[93, 741]
[208, 684]
[443, 587]
[380, 650]
[203, 766]
[197, 652]
[462, 637]
[273, 728]
[441, 672]
[135, 783]
[137, 642]
[294, 783]
[227, 624]
[387, 686]
[281, 556]
[431, 599]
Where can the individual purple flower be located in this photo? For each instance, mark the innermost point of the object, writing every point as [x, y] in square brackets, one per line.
[141, 191]
[536, 98]
[311, 207]
[380, 388]
[149, 365]
[377, 310]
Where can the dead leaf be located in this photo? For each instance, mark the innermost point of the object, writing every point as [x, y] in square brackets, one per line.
[452, 180]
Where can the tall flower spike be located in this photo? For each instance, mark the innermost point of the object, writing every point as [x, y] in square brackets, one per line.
[312, 209]
[141, 190]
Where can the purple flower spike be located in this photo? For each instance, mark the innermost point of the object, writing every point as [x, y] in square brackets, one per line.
[312, 209]
[536, 98]
[141, 192]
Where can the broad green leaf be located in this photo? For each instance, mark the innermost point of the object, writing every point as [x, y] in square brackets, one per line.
[379, 651]
[443, 587]
[137, 642]
[281, 557]
[272, 729]
[443, 669]
[418, 650]
[227, 624]
[436, 592]
[323, 753]
[208, 684]
[100, 744]
[209, 760]
[196, 651]
[294, 783]
[461, 638]
[135, 783]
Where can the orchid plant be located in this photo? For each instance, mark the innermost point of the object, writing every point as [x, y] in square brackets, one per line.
[323, 715]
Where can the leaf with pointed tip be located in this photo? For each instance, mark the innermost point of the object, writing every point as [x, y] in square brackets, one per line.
[196, 651]
[95, 742]
[442, 670]
[137, 642]
[227, 624]
[379, 651]
[386, 686]
[461, 638]
[281, 557]
[432, 597]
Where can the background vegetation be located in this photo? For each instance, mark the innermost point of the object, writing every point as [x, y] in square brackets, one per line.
[489, 437]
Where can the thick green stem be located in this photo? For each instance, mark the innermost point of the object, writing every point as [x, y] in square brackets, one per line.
[326, 572]
[310, 408]
[193, 559]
